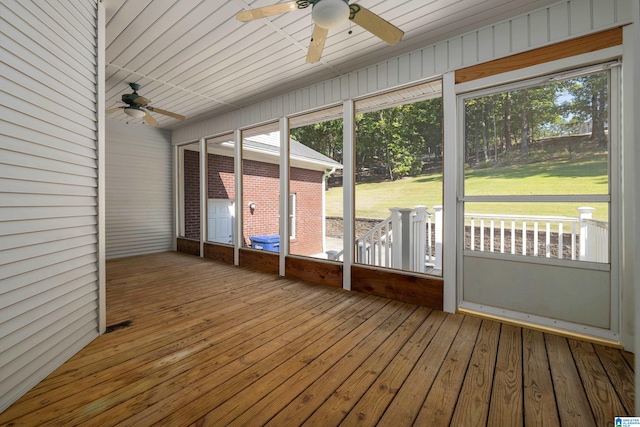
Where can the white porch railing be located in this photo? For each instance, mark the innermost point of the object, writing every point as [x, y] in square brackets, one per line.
[411, 239]
[560, 237]
[374, 247]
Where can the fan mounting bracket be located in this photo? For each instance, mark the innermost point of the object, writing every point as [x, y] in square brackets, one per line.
[353, 10]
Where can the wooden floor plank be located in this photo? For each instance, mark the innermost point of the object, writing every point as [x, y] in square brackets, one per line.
[347, 395]
[613, 361]
[604, 401]
[360, 343]
[506, 408]
[439, 405]
[474, 398]
[630, 358]
[329, 383]
[539, 399]
[213, 344]
[215, 388]
[129, 356]
[403, 386]
[573, 405]
[122, 344]
[216, 369]
[147, 364]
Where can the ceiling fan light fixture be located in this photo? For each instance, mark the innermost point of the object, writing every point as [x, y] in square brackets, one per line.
[134, 112]
[330, 13]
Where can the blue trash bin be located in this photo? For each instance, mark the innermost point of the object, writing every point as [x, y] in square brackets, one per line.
[267, 242]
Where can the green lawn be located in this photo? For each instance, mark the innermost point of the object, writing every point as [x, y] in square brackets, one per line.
[585, 175]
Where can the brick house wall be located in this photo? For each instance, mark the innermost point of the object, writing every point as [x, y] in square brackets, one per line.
[308, 187]
[261, 185]
[221, 183]
[191, 169]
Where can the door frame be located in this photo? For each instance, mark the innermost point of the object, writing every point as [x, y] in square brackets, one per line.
[541, 73]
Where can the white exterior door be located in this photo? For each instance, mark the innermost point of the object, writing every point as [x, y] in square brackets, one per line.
[220, 221]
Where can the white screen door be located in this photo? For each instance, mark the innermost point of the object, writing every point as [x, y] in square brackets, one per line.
[536, 212]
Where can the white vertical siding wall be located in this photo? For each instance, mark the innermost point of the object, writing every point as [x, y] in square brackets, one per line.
[139, 210]
[561, 21]
[48, 188]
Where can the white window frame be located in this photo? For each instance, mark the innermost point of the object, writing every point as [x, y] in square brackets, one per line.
[292, 216]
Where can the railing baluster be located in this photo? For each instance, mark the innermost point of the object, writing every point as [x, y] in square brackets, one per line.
[573, 240]
[387, 245]
[481, 235]
[502, 236]
[524, 237]
[430, 253]
[513, 237]
[535, 238]
[548, 240]
[560, 243]
[473, 234]
[491, 244]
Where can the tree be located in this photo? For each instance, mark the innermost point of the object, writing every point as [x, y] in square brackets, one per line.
[590, 103]
[324, 137]
[397, 139]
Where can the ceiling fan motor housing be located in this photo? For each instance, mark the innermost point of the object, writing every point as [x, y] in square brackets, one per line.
[130, 98]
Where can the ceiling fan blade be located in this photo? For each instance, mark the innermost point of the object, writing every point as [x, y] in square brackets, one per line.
[113, 110]
[141, 100]
[375, 24]
[263, 12]
[166, 113]
[150, 120]
[317, 44]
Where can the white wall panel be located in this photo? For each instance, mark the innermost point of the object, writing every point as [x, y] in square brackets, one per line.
[48, 189]
[139, 216]
[558, 22]
[469, 49]
[539, 22]
[501, 39]
[580, 13]
[520, 32]
[558, 19]
[485, 44]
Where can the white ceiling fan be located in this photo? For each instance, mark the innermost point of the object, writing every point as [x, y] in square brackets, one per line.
[327, 14]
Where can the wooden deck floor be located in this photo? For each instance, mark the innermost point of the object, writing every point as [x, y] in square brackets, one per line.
[211, 344]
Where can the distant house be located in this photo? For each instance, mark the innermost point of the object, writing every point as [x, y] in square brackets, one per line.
[261, 187]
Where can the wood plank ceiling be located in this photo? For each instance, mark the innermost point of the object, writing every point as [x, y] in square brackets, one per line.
[192, 57]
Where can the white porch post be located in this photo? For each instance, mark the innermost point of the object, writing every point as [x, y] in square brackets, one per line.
[237, 167]
[396, 238]
[438, 225]
[284, 193]
[405, 229]
[419, 240]
[585, 212]
[348, 132]
[452, 271]
[204, 175]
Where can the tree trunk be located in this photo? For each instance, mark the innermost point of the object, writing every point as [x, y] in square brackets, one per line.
[475, 139]
[602, 116]
[524, 135]
[506, 112]
[495, 139]
[595, 118]
[485, 141]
